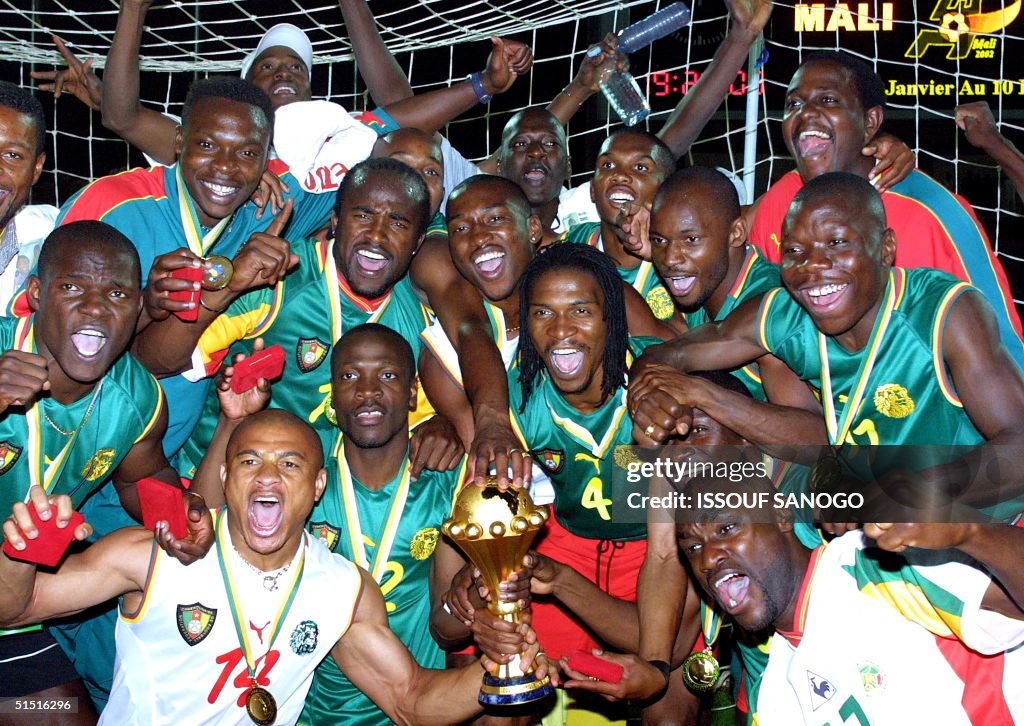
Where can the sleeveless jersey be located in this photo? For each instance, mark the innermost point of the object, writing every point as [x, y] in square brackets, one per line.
[436, 340]
[405, 580]
[577, 451]
[909, 398]
[643, 278]
[297, 314]
[179, 659]
[871, 640]
[121, 410]
[934, 228]
[756, 277]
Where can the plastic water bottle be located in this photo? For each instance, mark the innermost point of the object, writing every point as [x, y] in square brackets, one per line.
[623, 94]
[619, 87]
[656, 25]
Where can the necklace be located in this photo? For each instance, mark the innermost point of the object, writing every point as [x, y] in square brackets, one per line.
[509, 331]
[269, 578]
[85, 418]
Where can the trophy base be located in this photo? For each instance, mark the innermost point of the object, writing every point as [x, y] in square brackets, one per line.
[513, 691]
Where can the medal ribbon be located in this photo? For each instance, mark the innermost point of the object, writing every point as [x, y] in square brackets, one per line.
[710, 623]
[236, 604]
[333, 286]
[38, 472]
[200, 244]
[497, 320]
[386, 540]
[642, 274]
[837, 431]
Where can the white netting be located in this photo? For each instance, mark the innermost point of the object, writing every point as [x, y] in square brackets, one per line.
[438, 41]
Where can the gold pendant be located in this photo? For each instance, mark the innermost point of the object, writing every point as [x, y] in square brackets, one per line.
[700, 671]
[826, 473]
[260, 705]
[219, 273]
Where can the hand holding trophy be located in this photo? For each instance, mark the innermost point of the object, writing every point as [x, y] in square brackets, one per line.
[495, 529]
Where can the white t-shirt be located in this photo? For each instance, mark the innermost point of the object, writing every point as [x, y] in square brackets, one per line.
[868, 652]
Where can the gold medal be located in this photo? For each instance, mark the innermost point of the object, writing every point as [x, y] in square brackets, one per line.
[218, 274]
[826, 473]
[701, 670]
[260, 705]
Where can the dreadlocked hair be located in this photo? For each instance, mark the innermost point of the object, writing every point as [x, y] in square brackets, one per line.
[588, 260]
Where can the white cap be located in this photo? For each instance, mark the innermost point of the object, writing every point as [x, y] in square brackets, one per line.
[287, 35]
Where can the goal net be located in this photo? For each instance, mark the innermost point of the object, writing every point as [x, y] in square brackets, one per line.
[932, 55]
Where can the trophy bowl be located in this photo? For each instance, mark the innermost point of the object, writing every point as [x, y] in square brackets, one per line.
[495, 529]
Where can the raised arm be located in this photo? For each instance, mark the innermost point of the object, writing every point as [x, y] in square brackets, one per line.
[429, 111]
[695, 109]
[980, 128]
[143, 128]
[381, 73]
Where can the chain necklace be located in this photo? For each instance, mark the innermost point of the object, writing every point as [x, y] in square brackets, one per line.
[269, 578]
[85, 418]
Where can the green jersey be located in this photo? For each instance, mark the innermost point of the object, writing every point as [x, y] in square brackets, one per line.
[73, 449]
[757, 276]
[305, 314]
[643, 278]
[907, 396]
[392, 533]
[576, 451]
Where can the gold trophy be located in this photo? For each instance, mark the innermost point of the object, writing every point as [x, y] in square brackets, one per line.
[495, 529]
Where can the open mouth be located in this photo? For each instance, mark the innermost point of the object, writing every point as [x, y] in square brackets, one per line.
[265, 514]
[535, 174]
[731, 590]
[88, 342]
[370, 262]
[567, 361]
[813, 143]
[680, 286]
[489, 263]
[823, 296]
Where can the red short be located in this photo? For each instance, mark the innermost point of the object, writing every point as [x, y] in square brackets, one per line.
[613, 566]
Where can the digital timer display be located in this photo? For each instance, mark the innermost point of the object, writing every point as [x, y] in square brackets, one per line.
[666, 83]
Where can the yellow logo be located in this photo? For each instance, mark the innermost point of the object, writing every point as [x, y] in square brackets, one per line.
[98, 465]
[660, 303]
[624, 456]
[893, 400]
[423, 543]
[959, 21]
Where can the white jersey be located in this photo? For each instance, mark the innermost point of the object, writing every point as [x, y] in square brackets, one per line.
[179, 660]
[869, 631]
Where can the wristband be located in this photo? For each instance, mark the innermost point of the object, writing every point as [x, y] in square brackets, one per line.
[478, 87]
[663, 667]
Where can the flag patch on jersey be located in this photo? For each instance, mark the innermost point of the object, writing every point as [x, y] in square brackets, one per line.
[9, 454]
[304, 638]
[871, 677]
[325, 533]
[550, 460]
[310, 353]
[821, 690]
[195, 622]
